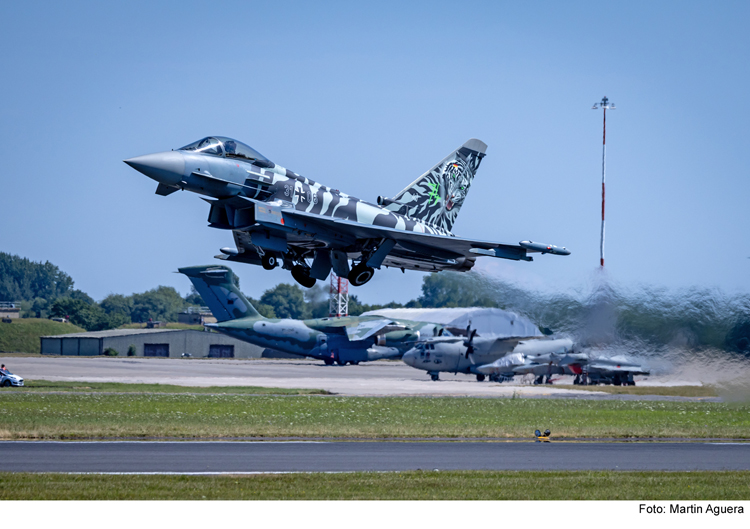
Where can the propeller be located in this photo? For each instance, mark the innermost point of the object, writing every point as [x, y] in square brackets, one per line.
[470, 342]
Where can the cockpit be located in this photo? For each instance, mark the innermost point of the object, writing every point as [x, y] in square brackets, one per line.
[224, 147]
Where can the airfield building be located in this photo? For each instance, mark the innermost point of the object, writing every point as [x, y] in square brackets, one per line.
[171, 343]
[9, 309]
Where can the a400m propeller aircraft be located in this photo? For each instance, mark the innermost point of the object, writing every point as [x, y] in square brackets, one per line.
[281, 218]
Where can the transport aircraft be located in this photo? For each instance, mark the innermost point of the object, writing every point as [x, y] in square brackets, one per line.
[345, 340]
[588, 369]
[471, 353]
[502, 358]
[279, 218]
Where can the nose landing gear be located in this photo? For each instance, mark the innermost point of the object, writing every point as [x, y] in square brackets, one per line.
[269, 261]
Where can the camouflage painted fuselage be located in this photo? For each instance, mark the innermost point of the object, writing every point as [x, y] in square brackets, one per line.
[326, 338]
[443, 189]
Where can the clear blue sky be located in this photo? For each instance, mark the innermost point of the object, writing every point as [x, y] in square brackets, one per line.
[364, 97]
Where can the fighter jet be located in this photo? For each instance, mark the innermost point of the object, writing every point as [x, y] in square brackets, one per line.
[472, 354]
[587, 369]
[279, 218]
[347, 340]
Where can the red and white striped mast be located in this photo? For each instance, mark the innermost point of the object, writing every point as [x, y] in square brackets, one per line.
[338, 296]
[604, 104]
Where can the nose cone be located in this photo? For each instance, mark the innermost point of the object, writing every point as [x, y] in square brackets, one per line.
[165, 167]
[410, 357]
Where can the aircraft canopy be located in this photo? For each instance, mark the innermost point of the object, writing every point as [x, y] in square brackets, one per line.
[223, 146]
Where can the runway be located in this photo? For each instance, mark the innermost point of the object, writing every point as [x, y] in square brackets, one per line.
[382, 378]
[253, 457]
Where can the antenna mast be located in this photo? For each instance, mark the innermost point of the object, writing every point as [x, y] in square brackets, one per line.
[338, 296]
[604, 104]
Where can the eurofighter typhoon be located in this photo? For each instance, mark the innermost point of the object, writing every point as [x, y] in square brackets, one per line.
[279, 218]
[342, 340]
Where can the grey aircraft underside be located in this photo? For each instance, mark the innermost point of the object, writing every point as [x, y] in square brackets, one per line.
[342, 340]
[278, 217]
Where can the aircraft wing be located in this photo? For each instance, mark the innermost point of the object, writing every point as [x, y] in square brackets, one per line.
[621, 368]
[427, 244]
[357, 329]
[366, 329]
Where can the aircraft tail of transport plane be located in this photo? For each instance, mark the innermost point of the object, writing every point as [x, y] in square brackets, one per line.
[350, 339]
[281, 218]
[216, 286]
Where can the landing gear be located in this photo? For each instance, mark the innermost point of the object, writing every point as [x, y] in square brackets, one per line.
[301, 274]
[480, 378]
[435, 376]
[539, 380]
[328, 361]
[360, 275]
[269, 261]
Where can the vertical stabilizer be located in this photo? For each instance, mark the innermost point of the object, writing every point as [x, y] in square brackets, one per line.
[436, 197]
[216, 286]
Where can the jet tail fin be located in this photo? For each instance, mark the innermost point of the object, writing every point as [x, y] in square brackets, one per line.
[216, 286]
[436, 197]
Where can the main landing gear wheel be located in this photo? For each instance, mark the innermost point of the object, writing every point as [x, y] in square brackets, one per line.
[434, 376]
[269, 261]
[480, 378]
[360, 275]
[302, 276]
[328, 361]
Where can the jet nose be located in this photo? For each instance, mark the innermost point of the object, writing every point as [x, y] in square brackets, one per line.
[165, 167]
[409, 357]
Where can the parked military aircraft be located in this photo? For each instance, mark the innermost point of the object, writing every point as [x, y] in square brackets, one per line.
[281, 218]
[587, 369]
[470, 353]
[342, 340]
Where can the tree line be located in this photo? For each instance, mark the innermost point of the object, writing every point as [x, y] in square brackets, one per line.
[45, 291]
[633, 319]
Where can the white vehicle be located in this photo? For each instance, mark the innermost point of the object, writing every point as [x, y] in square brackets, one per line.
[8, 379]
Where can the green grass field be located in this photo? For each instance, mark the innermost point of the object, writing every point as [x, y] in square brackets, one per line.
[46, 386]
[37, 415]
[23, 334]
[413, 485]
[676, 391]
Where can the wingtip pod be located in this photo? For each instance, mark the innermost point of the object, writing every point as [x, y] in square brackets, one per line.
[544, 248]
